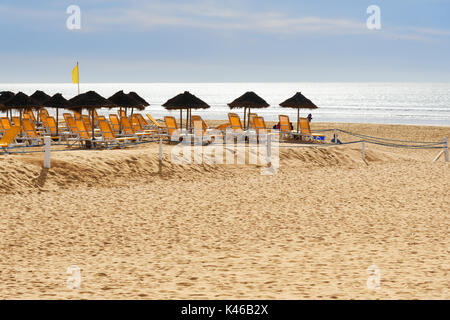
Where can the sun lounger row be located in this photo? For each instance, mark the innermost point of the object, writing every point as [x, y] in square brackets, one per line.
[120, 130]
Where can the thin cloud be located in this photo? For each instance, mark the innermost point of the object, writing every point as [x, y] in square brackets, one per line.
[210, 15]
[213, 18]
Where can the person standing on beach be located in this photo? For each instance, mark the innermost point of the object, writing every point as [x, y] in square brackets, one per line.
[309, 117]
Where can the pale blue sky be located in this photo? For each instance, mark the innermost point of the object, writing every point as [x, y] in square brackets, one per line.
[217, 41]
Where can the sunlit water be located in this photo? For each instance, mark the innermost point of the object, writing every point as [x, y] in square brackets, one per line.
[393, 103]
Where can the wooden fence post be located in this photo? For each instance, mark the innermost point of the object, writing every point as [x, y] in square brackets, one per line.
[47, 147]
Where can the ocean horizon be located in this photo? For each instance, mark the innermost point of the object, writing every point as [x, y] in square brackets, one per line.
[385, 103]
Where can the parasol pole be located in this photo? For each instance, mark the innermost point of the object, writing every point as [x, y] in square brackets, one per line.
[181, 119]
[92, 124]
[190, 118]
[57, 122]
[245, 117]
[20, 121]
[120, 120]
[298, 118]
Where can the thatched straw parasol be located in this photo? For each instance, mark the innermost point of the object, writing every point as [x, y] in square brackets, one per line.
[126, 101]
[90, 100]
[298, 101]
[138, 98]
[57, 102]
[41, 97]
[248, 100]
[5, 96]
[20, 102]
[186, 101]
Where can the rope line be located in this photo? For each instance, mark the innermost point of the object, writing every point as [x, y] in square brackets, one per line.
[386, 139]
[393, 143]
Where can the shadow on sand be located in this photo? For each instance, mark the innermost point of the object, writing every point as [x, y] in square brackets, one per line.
[40, 181]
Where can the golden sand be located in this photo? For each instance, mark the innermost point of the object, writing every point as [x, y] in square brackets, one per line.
[140, 231]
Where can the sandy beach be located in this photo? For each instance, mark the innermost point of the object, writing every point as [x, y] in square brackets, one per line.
[140, 231]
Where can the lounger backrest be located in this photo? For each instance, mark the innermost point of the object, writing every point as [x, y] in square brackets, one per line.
[101, 118]
[16, 121]
[51, 125]
[6, 123]
[171, 124]
[9, 136]
[70, 122]
[285, 125]
[260, 125]
[304, 126]
[198, 128]
[153, 120]
[77, 115]
[30, 115]
[43, 113]
[107, 131]
[251, 117]
[141, 120]
[114, 122]
[198, 118]
[126, 125]
[87, 121]
[135, 123]
[29, 129]
[83, 132]
[235, 122]
[45, 123]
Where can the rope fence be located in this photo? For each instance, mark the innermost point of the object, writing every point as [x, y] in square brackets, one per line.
[362, 138]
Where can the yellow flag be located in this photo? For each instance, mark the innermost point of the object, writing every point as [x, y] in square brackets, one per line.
[75, 75]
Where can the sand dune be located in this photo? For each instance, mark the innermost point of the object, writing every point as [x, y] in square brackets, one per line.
[138, 230]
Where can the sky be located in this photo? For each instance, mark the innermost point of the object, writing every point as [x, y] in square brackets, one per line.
[225, 41]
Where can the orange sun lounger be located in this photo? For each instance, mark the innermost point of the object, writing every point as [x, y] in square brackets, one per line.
[305, 131]
[8, 140]
[235, 122]
[109, 137]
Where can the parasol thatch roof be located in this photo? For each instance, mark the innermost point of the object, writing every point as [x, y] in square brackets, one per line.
[21, 101]
[58, 101]
[125, 100]
[90, 100]
[185, 100]
[298, 101]
[40, 96]
[138, 98]
[5, 96]
[249, 100]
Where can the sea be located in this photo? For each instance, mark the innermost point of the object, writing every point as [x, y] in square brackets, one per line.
[384, 103]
